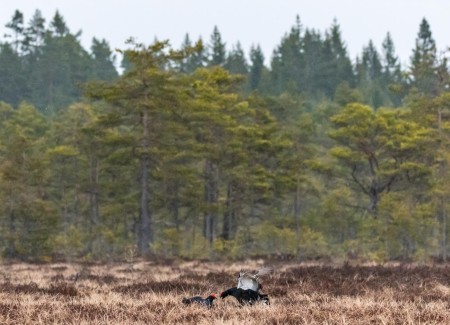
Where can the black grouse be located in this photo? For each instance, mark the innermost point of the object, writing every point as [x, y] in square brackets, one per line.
[251, 281]
[245, 297]
[208, 301]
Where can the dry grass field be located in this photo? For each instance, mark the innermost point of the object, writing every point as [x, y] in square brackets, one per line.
[149, 293]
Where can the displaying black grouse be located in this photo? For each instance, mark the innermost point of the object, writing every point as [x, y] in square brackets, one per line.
[208, 301]
[248, 281]
[245, 297]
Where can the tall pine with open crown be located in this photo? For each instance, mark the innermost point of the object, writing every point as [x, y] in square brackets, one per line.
[139, 100]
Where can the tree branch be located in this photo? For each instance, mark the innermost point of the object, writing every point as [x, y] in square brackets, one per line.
[355, 179]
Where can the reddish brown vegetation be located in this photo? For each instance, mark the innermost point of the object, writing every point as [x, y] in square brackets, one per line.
[300, 294]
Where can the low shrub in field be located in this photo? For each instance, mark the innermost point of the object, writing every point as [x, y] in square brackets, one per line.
[63, 289]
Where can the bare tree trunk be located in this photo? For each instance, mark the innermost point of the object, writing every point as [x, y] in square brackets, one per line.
[11, 246]
[373, 194]
[176, 212]
[93, 192]
[229, 221]
[93, 198]
[173, 190]
[444, 232]
[297, 210]
[209, 223]
[145, 231]
[443, 170]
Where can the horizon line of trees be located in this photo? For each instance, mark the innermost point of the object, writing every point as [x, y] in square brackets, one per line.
[193, 152]
[45, 64]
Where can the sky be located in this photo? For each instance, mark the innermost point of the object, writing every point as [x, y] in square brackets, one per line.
[250, 22]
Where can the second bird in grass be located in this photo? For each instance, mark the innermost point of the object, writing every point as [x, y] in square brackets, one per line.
[208, 301]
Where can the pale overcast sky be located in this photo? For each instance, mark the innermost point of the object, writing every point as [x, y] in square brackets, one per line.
[261, 22]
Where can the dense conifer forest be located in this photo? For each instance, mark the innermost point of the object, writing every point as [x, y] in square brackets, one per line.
[204, 151]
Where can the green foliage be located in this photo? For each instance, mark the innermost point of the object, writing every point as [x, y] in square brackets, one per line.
[379, 148]
[407, 227]
[176, 158]
[169, 244]
[70, 244]
[29, 218]
[312, 244]
[424, 63]
[217, 49]
[256, 68]
[236, 62]
[46, 66]
[346, 95]
[272, 240]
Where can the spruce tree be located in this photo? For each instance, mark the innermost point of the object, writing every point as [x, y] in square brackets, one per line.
[184, 64]
[217, 49]
[393, 78]
[58, 25]
[256, 67]
[12, 76]
[287, 62]
[16, 25]
[313, 72]
[369, 74]
[196, 55]
[391, 62]
[236, 62]
[34, 35]
[103, 61]
[424, 63]
[62, 65]
[341, 61]
[371, 62]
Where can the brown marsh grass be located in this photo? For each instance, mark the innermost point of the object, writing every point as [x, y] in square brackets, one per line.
[150, 293]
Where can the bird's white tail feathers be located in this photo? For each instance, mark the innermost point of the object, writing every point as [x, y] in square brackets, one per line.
[264, 271]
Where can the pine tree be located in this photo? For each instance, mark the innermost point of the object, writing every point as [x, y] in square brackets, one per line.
[211, 115]
[29, 218]
[140, 100]
[379, 149]
[77, 150]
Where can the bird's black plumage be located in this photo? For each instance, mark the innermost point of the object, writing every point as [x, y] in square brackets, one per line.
[208, 301]
[245, 297]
